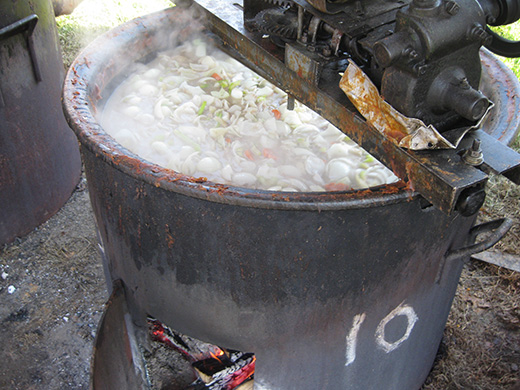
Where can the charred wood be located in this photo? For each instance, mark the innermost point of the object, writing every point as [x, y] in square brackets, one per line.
[193, 349]
[217, 369]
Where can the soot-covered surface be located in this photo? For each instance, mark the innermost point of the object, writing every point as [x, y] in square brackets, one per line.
[52, 294]
[48, 321]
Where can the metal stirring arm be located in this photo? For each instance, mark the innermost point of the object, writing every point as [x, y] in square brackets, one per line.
[441, 176]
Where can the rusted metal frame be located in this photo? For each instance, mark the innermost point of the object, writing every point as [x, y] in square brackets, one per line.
[439, 176]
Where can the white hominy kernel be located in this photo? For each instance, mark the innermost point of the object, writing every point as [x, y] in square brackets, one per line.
[208, 165]
[199, 112]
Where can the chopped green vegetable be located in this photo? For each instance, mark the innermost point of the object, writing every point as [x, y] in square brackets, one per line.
[233, 85]
[202, 107]
[187, 140]
[256, 151]
[207, 114]
[224, 83]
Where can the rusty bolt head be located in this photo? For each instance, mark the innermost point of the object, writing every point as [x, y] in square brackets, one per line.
[411, 53]
[462, 83]
[473, 156]
[480, 34]
[421, 69]
[452, 8]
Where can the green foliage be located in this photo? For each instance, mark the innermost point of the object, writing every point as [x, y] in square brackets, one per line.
[94, 17]
[511, 32]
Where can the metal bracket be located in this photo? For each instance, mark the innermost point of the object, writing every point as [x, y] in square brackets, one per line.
[26, 27]
[504, 260]
[117, 362]
[498, 158]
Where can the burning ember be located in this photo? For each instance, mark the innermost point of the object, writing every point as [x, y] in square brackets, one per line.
[216, 368]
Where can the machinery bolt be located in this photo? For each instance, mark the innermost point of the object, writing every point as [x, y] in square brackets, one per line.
[290, 102]
[421, 69]
[359, 10]
[410, 53]
[463, 83]
[452, 8]
[473, 156]
[480, 34]
[327, 51]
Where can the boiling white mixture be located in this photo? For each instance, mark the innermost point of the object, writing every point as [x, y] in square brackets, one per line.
[201, 113]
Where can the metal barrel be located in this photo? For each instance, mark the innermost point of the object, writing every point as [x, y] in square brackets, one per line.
[40, 162]
[330, 290]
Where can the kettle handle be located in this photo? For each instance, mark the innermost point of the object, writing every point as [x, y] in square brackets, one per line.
[498, 228]
[26, 27]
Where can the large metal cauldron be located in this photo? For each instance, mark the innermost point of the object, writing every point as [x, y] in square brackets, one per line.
[330, 291]
[39, 157]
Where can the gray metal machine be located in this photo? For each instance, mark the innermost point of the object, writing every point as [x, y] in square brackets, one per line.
[422, 55]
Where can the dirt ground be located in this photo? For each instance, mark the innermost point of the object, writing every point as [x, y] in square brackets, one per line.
[48, 323]
[52, 294]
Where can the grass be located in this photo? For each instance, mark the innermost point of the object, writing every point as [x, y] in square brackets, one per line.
[511, 32]
[503, 200]
[94, 17]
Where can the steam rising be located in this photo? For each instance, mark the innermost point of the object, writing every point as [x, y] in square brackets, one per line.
[197, 111]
